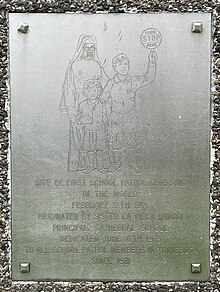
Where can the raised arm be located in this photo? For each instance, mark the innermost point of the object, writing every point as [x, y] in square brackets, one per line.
[148, 77]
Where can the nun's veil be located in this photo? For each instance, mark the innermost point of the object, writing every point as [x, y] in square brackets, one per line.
[69, 88]
[83, 39]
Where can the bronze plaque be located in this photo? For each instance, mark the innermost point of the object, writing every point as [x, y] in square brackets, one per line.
[110, 119]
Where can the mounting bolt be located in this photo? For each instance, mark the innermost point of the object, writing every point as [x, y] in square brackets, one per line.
[24, 267]
[23, 27]
[196, 268]
[197, 27]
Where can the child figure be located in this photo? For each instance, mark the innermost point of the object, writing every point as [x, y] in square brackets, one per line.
[120, 94]
[95, 137]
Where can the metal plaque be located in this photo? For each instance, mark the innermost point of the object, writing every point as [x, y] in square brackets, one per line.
[110, 121]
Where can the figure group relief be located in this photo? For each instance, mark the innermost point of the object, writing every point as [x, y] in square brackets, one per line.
[101, 110]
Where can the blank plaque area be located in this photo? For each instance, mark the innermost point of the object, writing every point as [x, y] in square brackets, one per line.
[110, 121]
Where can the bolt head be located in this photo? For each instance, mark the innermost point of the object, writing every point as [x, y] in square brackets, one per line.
[197, 27]
[196, 268]
[23, 27]
[24, 267]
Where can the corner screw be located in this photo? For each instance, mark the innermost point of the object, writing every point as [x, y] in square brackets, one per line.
[23, 27]
[24, 267]
[197, 27]
[196, 268]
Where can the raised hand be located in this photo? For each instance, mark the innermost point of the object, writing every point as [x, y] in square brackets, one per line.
[152, 57]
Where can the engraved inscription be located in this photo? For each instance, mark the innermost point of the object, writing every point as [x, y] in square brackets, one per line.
[151, 38]
[111, 211]
[110, 147]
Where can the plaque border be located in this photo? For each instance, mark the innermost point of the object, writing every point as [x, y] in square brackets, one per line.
[133, 6]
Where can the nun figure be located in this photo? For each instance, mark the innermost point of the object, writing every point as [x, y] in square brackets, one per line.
[85, 65]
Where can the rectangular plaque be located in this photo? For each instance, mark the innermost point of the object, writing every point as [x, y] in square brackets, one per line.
[110, 119]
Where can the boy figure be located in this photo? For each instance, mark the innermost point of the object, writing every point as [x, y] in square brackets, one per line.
[120, 93]
[95, 137]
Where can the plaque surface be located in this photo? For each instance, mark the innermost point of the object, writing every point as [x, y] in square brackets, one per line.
[110, 120]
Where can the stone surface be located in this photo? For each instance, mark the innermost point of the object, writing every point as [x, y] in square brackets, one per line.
[131, 6]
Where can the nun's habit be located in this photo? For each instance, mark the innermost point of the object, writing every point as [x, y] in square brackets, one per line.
[78, 72]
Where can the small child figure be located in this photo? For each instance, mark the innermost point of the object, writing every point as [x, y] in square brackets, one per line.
[95, 137]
